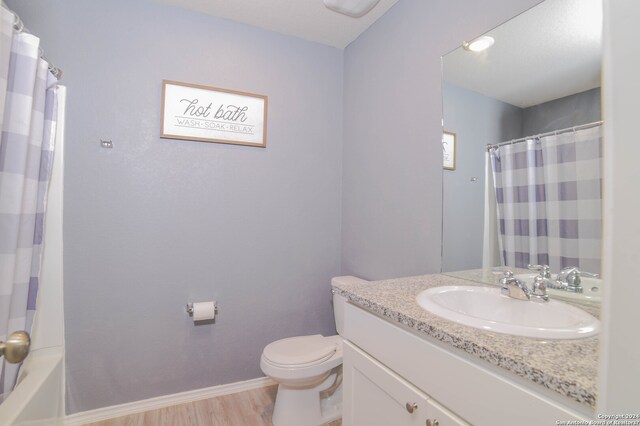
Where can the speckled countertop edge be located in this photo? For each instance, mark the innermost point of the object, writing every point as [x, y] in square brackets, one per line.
[568, 367]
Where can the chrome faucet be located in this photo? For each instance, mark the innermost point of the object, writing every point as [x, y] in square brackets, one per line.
[569, 279]
[517, 289]
[543, 270]
[513, 287]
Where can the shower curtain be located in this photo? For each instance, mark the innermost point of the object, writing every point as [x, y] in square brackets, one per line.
[549, 200]
[28, 122]
[490, 241]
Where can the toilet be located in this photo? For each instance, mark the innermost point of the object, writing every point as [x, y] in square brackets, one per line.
[308, 370]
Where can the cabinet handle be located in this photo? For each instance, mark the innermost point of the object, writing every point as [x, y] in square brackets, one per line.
[433, 422]
[411, 407]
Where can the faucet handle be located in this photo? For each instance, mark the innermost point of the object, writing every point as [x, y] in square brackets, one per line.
[539, 289]
[574, 269]
[568, 270]
[507, 276]
[543, 270]
[570, 276]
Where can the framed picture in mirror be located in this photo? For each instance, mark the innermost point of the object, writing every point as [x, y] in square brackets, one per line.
[448, 150]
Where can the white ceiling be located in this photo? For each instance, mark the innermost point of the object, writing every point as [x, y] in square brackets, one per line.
[306, 19]
[551, 51]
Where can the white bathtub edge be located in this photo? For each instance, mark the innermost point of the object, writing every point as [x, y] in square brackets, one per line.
[42, 375]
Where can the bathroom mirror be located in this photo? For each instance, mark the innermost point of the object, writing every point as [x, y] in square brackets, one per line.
[534, 94]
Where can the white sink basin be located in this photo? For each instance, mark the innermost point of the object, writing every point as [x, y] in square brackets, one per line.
[487, 309]
[590, 288]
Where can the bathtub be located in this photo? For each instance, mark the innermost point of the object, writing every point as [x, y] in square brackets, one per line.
[37, 399]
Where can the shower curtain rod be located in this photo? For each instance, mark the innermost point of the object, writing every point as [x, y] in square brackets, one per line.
[18, 25]
[555, 132]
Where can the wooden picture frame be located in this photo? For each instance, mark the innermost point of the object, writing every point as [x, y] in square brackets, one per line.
[448, 150]
[210, 114]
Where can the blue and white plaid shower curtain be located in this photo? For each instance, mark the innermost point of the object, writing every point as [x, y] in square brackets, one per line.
[549, 197]
[28, 107]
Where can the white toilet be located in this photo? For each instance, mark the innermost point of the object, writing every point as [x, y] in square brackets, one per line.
[308, 370]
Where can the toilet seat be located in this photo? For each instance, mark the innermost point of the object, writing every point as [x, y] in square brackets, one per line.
[308, 370]
[301, 351]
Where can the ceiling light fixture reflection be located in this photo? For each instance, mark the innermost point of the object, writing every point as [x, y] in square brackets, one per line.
[479, 44]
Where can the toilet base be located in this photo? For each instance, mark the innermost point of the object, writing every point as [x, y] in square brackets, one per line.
[297, 406]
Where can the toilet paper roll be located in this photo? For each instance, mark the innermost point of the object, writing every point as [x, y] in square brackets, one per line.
[204, 311]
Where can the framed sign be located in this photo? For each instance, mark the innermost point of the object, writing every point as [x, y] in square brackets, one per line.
[448, 150]
[208, 114]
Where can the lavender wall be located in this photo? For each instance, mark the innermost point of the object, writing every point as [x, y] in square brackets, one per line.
[154, 223]
[392, 164]
[477, 120]
[562, 113]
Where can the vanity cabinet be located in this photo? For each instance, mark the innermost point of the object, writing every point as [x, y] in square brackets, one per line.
[387, 366]
[377, 396]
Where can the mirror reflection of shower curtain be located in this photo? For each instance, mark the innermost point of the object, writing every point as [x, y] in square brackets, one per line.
[491, 243]
[548, 194]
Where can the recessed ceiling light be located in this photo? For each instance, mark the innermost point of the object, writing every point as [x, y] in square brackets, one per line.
[479, 44]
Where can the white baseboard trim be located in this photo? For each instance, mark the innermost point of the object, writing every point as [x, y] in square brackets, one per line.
[135, 407]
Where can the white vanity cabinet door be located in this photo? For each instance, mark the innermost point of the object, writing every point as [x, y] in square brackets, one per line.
[376, 396]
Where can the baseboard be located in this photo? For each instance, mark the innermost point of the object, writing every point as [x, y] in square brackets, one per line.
[114, 411]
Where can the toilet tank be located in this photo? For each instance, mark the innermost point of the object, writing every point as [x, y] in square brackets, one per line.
[338, 311]
[339, 301]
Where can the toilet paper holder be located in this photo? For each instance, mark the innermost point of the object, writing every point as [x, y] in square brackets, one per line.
[190, 308]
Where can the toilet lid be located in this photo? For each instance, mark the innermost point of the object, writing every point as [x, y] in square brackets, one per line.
[301, 350]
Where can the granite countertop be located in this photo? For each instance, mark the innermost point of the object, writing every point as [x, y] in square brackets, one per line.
[569, 367]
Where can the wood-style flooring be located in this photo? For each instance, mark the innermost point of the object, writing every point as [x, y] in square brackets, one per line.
[249, 408]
